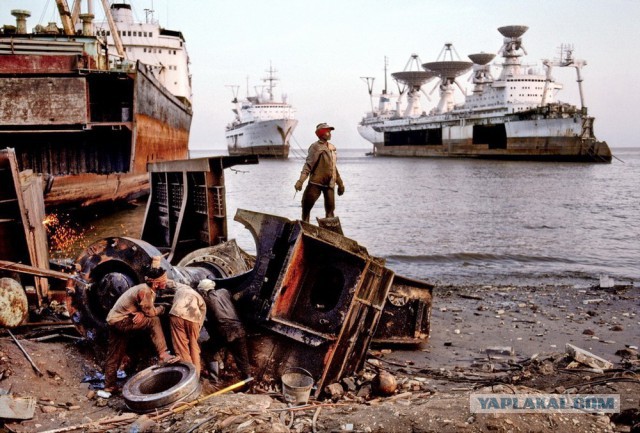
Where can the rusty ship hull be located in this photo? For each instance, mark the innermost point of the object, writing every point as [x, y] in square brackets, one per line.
[557, 133]
[88, 120]
[91, 133]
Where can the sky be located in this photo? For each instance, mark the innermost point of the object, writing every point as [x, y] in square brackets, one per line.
[322, 49]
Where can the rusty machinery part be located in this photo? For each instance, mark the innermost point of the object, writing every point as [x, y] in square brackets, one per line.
[109, 267]
[159, 386]
[225, 259]
[384, 383]
[14, 305]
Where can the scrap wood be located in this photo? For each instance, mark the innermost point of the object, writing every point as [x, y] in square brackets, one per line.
[62, 324]
[52, 336]
[34, 270]
[111, 422]
[182, 406]
[587, 358]
[308, 406]
[474, 297]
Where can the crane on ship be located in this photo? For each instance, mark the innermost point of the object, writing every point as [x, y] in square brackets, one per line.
[69, 18]
[566, 59]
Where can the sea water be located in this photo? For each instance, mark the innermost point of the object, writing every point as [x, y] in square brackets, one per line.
[461, 221]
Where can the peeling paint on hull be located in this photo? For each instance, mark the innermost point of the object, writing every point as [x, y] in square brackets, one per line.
[90, 133]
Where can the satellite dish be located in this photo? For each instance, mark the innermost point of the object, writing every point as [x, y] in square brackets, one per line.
[448, 68]
[481, 58]
[513, 31]
[414, 78]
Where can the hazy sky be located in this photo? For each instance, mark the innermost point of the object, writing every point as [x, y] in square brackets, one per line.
[321, 49]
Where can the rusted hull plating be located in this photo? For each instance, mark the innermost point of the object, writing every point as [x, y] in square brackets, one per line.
[91, 133]
[322, 295]
[275, 151]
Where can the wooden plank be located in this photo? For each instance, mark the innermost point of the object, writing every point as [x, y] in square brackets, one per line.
[27, 189]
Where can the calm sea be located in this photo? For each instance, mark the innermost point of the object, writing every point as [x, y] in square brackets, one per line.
[459, 221]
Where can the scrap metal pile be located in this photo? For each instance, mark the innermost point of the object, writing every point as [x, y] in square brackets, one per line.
[311, 297]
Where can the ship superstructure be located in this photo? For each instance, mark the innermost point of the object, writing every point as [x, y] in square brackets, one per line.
[163, 51]
[86, 108]
[511, 115]
[262, 126]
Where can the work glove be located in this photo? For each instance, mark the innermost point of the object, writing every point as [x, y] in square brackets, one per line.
[340, 189]
[298, 186]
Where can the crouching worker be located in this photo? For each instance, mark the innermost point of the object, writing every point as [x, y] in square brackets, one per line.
[135, 311]
[224, 326]
[186, 317]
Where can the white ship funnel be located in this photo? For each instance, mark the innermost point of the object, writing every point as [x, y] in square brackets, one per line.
[121, 13]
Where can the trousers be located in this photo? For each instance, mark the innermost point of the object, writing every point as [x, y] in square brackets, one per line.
[119, 335]
[184, 336]
[311, 195]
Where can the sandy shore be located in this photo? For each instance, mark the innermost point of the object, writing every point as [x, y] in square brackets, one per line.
[435, 380]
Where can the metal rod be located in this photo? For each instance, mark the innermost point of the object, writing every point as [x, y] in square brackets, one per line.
[35, 367]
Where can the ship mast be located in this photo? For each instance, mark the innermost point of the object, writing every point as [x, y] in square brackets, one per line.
[566, 59]
[369, 81]
[271, 79]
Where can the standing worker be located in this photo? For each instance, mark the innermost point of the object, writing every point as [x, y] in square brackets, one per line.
[322, 170]
[186, 317]
[133, 311]
[224, 325]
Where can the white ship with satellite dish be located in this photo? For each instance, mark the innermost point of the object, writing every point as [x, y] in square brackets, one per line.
[262, 126]
[511, 115]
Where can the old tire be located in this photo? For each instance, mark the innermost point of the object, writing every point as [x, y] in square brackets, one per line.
[159, 386]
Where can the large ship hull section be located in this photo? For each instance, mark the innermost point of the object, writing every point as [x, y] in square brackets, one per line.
[90, 133]
[267, 138]
[560, 139]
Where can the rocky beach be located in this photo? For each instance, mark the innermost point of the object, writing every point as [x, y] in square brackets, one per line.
[486, 339]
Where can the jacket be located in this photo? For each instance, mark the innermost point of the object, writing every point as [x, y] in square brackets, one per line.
[320, 166]
[188, 304]
[139, 298]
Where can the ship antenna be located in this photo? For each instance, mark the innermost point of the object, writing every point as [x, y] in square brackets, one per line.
[234, 91]
[386, 63]
[271, 79]
[369, 81]
[148, 13]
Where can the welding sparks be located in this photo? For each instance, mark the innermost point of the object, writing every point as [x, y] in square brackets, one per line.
[63, 237]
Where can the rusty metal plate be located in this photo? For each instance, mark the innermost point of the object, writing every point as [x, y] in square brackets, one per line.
[43, 101]
[14, 305]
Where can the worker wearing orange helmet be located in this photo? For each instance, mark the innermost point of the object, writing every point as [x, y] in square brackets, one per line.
[322, 170]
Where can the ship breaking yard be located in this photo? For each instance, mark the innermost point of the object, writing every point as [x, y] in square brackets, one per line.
[337, 341]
